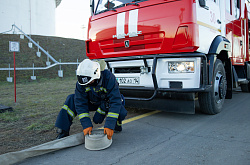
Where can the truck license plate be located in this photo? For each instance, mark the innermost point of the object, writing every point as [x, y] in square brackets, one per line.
[128, 80]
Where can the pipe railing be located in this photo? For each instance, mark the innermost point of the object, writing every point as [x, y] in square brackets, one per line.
[41, 68]
[44, 51]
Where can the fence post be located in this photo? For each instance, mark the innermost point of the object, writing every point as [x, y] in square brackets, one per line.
[33, 77]
[60, 71]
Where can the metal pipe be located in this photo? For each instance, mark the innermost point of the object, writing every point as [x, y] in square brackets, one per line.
[41, 68]
[33, 69]
[154, 82]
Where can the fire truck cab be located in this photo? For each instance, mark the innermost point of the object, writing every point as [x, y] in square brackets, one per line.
[166, 54]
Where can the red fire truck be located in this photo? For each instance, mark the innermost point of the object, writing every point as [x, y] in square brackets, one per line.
[166, 54]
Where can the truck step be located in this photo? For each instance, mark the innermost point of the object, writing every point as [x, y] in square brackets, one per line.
[243, 81]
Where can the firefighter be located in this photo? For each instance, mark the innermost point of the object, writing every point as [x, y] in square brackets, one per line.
[95, 90]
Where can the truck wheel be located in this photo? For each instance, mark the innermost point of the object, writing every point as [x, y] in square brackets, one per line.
[211, 102]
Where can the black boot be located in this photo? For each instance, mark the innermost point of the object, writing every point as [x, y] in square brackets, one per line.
[118, 127]
[61, 133]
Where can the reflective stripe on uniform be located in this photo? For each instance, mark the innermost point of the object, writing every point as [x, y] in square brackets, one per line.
[114, 115]
[119, 124]
[100, 90]
[103, 89]
[82, 115]
[87, 89]
[71, 113]
[101, 111]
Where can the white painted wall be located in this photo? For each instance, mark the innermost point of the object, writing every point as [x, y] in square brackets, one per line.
[36, 17]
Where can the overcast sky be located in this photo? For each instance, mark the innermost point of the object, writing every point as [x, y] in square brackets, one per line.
[71, 18]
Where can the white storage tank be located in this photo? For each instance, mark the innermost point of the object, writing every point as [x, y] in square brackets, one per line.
[35, 17]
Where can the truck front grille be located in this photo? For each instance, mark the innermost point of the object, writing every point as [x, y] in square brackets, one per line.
[142, 42]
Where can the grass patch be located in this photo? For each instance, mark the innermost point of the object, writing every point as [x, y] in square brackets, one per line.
[40, 127]
[33, 126]
[37, 102]
[9, 116]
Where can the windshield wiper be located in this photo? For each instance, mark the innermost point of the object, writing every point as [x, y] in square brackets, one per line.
[119, 6]
[111, 9]
[136, 4]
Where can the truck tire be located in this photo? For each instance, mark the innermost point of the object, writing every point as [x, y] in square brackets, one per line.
[211, 102]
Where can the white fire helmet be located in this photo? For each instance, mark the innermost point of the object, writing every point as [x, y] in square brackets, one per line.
[88, 71]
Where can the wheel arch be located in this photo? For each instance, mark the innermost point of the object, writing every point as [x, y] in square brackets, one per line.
[219, 44]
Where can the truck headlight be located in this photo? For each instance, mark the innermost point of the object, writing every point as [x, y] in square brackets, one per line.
[180, 67]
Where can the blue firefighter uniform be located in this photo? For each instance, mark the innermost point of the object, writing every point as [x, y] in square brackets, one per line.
[104, 98]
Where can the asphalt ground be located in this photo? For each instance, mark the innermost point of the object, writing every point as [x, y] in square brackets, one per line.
[170, 138]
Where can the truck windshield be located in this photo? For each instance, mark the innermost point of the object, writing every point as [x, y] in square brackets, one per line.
[107, 5]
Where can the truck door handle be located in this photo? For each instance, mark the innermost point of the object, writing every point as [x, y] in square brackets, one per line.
[218, 21]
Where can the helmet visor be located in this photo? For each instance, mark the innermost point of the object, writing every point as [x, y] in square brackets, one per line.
[83, 80]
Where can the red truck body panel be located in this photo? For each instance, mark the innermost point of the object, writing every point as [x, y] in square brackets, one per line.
[159, 32]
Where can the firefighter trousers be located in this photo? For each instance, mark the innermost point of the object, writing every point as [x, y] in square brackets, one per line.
[68, 113]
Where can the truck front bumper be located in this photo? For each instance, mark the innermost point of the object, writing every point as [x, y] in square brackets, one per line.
[156, 89]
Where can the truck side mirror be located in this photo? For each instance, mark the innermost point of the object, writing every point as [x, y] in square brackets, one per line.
[202, 3]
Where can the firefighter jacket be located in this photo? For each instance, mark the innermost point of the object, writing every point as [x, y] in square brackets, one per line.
[106, 94]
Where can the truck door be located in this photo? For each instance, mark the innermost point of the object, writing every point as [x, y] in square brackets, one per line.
[209, 21]
[244, 30]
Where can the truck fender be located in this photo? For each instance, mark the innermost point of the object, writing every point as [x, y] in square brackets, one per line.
[218, 49]
[219, 44]
[248, 70]
[211, 58]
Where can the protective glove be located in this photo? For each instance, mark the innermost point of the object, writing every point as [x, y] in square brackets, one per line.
[109, 132]
[87, 131]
